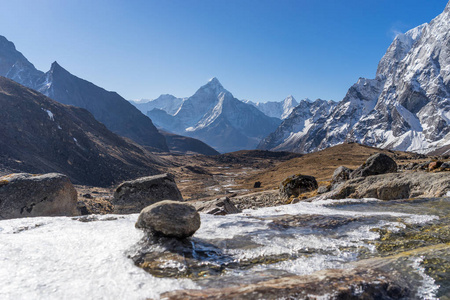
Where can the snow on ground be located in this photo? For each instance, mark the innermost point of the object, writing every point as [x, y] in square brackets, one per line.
[61, 258]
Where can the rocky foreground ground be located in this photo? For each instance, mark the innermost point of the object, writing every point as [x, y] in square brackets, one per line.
[169, 224]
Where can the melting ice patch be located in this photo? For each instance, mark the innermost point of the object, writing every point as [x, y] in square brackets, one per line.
[428, 289]
[62, 258]
[66, 259]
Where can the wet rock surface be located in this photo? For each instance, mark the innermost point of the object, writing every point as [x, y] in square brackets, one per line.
[329, 284]
[312, 221]
[410, 261]
[28, 195]
[132, 196]
[170, 219]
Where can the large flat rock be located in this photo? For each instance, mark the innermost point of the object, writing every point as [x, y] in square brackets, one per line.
[394, 186]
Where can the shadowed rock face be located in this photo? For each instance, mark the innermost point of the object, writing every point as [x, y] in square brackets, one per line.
[26, 195]
[39, 135]
[132, 196]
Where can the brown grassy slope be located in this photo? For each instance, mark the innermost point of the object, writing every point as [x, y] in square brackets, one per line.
[321, 164]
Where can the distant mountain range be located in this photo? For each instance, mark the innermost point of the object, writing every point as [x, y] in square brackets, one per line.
[406, 107]
[213, 116]
[168, 103]
[107, 107]
[274, 109]
[40, 135]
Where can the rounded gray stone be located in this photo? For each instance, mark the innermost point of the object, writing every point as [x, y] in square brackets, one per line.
[169, 218]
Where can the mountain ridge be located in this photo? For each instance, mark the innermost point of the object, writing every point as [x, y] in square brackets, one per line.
[405, 107]
[40, 135]
[59, 84]
[215, 117]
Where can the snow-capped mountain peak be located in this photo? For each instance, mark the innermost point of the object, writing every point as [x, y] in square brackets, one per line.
[214, 116]
[406, 107]
[397, 51]
[213, 87]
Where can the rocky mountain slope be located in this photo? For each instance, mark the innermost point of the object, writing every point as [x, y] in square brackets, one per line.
[280, 110]
[406, 107]
[296, 126]
[215, 117]
[39, 135]
[15, 66]
[108, 107]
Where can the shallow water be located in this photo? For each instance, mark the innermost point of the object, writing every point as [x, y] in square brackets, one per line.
[61, 257]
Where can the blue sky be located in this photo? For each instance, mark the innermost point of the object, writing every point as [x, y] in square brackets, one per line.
[260, 50]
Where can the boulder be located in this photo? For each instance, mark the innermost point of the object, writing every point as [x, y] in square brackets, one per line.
[376, 164]
[445, 166]
[297, 184]
[170, 219]
[221, 206]
[434, 165]
[132, 196]
[394, 186]
[323, 189]
[257, 184]
[341, 174]
[28, 195]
